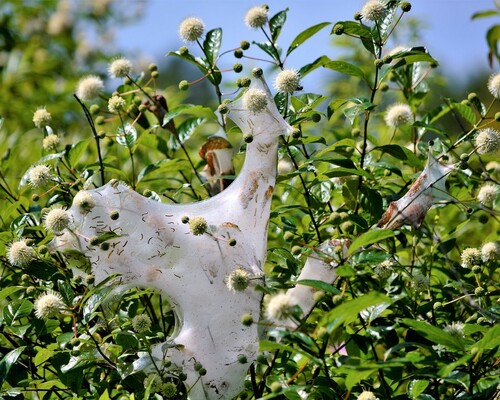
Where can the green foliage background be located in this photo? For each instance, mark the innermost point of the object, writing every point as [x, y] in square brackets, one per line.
[423, 328]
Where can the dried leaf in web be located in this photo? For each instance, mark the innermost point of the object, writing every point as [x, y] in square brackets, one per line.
[427, 190]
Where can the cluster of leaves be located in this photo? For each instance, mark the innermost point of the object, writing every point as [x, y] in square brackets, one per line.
[403, 318]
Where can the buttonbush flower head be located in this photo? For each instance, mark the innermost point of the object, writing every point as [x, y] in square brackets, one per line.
[366, 395]
[141, 323]
[256, 17]
[487, 194]
[154, 381]
[455, 329]
[191, 29]
[280, 307]
[487, 141]
[41, 117]
[398, 114]
[50, 142]
[49, 305]
[39, 175]
[120, 68]
[287, 81]
[373, 10]
[470, 257]
[89, 87]
[84, 201]
[169, 390]
[238, 280]
[116, 104]
[198, 226]
[420, 282]
[19, 253]
[255, 100]
[57, 219]
[494, 85]
[490, 251]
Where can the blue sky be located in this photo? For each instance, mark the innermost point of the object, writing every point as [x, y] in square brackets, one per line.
[450, 35]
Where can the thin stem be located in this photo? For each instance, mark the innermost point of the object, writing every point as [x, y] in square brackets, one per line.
[96, 137]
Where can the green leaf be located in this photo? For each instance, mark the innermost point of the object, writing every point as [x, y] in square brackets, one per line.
[417, 387]
[320, 285]
[267, 47]
[9, 291]
[74, 152]
[66, 291]
[401, 153]
[370, 237]
[492, 37]
[42, 355]
[435, 334]
[267, 345]
[126, 135]
[16, 310]
[276, 23]
[411, 56]
[485, 14]
[319, 62]
[212, 44]
[8, 361]
[184, 132]
[189, 109]
[346, 68]
[490, 340]
[361, 31]
[348, 312]
[465, 111]
[306, 34]
[127, 340]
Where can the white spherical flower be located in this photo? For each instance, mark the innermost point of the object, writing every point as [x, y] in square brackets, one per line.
[490, 251]
[455, 329]
[20, 254]
[191, 29]
[487, 194]
[89, 87]
[238, 280]
[287, 81]
[120, 68]
[398, 114]
[141, 323]
[116, 104]
[39, 176]
[48, 305]
[280, 307]
[366, 395]
[41, 117]
[50, 142]
[255, 100]
[494, 85]
[57, 220]
[256, 17]
[373, 10]
[470, 257]
[487, 141]
[84, 201]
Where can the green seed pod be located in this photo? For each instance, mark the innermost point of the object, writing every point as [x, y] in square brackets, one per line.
[237, 67]
[114, 215]
[247, 319]
[257, 72]
[153, 67]
[238, 53]
[248, 138]
[244, 45]
[406, 6]
[183, 85]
